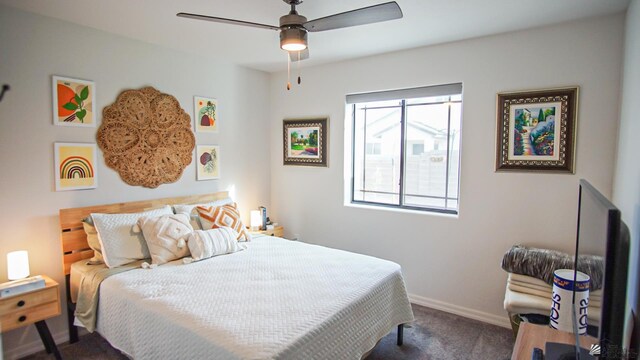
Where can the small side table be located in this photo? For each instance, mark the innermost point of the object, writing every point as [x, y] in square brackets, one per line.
[276, 231]
[33, 307]
[531, 336]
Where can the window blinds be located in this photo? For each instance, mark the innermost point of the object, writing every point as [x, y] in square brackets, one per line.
[418, 92]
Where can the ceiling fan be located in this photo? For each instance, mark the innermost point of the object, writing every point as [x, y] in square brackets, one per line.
[294, 27]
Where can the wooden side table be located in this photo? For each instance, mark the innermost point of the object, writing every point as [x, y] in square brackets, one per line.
[532, 336]
[277, 230]
[33, 307]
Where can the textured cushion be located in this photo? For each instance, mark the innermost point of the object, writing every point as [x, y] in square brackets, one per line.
[165, 236]
[204, 244]
[120, 244]
[190, 209]
[541, 263]
[227, 215]
[94, 243]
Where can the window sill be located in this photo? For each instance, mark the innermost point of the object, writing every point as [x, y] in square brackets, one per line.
[400, 210]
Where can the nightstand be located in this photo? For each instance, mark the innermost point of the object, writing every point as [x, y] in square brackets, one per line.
[278, 231]
[33, 307]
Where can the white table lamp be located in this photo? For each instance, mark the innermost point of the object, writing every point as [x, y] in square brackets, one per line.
[17, 265]
[256, 220]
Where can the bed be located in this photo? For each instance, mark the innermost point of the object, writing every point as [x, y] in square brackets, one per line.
[277, 299]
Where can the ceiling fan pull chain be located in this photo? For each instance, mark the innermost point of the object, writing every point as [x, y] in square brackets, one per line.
[299, 78]
[288, 72]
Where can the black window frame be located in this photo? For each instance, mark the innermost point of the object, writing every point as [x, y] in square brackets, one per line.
[403, 150]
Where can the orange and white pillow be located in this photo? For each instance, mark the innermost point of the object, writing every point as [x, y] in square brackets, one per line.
[190, 209]
[213, 217]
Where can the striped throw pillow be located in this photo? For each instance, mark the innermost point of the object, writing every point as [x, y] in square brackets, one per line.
[213, 217]
[204, 244]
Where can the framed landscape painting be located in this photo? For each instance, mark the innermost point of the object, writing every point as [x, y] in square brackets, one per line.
[73, 102]
[537, 130]
[75, 166]
[305, 142]
[208, 162]
[205, 114]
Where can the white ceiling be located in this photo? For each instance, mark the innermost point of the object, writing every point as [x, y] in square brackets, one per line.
[425, 22]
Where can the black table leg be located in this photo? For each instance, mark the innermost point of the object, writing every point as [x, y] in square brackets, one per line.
[400, 333]
[47, 339]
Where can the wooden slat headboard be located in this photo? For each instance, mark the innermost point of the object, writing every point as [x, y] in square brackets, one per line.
[72, 235]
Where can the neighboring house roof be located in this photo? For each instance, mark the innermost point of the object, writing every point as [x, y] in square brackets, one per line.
[415, 125]
[382, 125]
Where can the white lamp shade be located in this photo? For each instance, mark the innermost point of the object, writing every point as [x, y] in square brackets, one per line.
[18, 265]
[256, 219]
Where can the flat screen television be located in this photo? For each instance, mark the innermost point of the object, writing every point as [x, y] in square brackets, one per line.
[601, 232]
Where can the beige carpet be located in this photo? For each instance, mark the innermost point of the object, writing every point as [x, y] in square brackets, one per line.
[434, 335]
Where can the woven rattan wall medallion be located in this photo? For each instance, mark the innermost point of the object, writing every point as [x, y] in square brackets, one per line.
[146, 137]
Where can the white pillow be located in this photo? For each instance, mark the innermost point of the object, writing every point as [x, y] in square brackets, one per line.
[166, 236]
[120, 244]
[204, 244]
[190, 209]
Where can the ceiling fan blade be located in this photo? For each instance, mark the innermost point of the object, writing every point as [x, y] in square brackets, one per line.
[304, 54]
[367, 15]
[226, 21]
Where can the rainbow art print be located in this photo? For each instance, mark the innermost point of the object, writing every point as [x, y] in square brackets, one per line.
[75, 167]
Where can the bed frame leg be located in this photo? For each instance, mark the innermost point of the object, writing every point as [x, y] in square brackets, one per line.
[71, 309]
[400, 334]
[73, 330]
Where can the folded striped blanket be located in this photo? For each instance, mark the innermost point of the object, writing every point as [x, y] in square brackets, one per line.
[541, 263]
[531, 286]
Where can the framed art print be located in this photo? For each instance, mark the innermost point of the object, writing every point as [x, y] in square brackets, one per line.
[208, 162]
[305, 142]
[73, 102]
[75, 166]
[205, 114]
[537, 130]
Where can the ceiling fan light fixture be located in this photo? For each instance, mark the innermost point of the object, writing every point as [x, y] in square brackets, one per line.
[293, 27]
[294, 47]
[293, 39]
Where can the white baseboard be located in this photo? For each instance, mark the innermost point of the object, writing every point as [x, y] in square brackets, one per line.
[502, 321]
[34, 346]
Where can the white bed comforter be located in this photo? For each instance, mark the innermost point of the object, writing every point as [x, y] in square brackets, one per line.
[278, 299]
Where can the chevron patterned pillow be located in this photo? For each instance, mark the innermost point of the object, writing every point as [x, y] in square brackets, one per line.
[213, 217]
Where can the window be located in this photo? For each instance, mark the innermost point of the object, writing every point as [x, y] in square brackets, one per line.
[406, 148]
[373, 148]
[418, 149]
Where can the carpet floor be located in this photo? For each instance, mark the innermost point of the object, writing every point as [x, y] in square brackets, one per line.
[434, 335]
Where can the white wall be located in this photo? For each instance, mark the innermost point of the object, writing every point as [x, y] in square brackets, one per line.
[626, 189]
[32, 49]
[449, 262]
